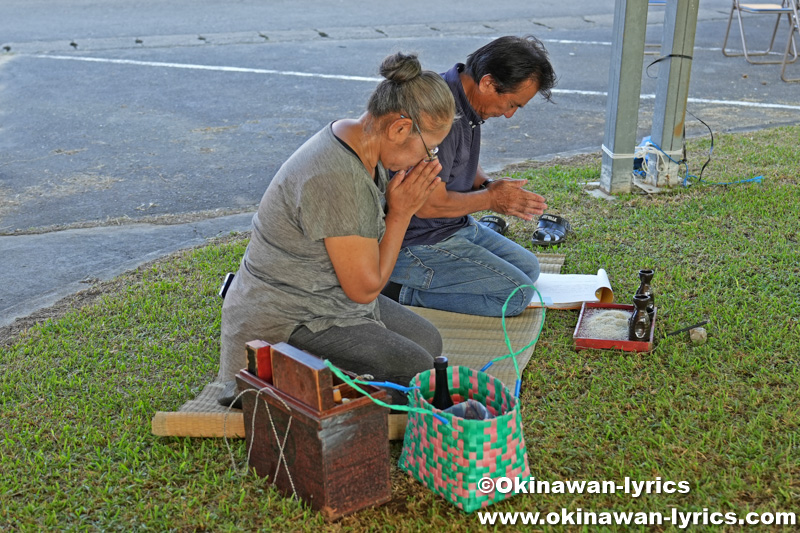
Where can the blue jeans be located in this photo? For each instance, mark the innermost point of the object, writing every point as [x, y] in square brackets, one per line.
[473, 271]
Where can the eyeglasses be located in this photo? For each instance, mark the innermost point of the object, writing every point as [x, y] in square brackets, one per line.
[431, 152]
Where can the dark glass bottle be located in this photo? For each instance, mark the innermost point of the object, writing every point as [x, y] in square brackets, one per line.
[441, 396]
[645, 277]
[639, 323]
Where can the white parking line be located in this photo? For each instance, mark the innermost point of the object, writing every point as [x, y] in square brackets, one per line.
[738, 103]
[189, 66]
[208, 67]
[609, 43]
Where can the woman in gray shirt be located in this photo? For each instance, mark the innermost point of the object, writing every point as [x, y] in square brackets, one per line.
[328, 230]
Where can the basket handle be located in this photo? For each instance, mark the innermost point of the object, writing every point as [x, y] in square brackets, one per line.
[511, 352]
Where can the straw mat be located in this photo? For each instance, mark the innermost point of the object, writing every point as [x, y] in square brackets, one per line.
[468, 340]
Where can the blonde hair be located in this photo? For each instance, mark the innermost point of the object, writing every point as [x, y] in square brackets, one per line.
[421, 95]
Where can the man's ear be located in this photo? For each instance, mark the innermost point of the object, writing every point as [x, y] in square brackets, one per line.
[488, 84]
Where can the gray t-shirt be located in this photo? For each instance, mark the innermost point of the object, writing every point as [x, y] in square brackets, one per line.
[286, 278]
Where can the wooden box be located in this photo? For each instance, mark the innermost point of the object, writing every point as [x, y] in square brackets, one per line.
[582, 342]
[336, 459]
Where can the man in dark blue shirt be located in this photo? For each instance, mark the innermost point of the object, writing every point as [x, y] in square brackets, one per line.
[448, 260]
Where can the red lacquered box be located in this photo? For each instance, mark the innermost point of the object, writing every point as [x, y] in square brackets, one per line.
[582, 343]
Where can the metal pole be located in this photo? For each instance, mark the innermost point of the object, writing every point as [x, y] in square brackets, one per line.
[672, 90]
[624, 85]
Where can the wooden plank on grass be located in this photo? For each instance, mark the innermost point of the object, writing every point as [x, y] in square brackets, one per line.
[188, 424]
[183, 424]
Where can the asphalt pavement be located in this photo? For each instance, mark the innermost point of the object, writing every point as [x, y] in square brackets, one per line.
[40, 269]
[115, 112]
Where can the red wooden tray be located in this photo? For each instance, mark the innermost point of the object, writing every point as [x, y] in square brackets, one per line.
[582, 343]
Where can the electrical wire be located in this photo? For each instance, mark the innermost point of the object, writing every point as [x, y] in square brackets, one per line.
[687, 176]
[757, 179]
[662, 58]
[710, 149]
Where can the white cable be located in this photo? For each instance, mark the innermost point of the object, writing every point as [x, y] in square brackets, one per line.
[612, 155]
[647, 149]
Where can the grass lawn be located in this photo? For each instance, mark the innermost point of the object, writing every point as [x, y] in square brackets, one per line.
[77, 391]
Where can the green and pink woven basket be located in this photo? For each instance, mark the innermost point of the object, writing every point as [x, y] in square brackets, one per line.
[450, 459]
[451, 455]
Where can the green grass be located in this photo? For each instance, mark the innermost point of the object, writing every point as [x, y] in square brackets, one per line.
[77, 393]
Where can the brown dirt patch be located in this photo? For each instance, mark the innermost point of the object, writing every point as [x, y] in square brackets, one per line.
[165, 220]
[578, 160]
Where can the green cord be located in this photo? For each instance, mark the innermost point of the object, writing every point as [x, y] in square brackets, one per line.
[350, 381]
[512, 353]
[353, 383]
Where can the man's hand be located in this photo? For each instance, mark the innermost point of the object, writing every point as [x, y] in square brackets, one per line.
[509, 198]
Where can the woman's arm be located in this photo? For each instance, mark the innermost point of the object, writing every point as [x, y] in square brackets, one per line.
[363, 265]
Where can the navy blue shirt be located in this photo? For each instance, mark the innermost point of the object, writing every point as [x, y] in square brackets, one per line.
[458, 154]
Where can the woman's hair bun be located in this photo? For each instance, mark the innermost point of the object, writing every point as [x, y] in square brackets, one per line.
[410, 91]
[401, 67]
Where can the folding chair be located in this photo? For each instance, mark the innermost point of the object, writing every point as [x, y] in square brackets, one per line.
[795, 5]
[786, 7]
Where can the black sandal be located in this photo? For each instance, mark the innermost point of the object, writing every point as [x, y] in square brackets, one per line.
[552, 229]
[495, 223]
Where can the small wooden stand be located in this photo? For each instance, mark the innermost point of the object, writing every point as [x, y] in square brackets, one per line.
[334, 456]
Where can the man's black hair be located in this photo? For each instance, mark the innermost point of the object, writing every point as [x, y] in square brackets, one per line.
[511, 61]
